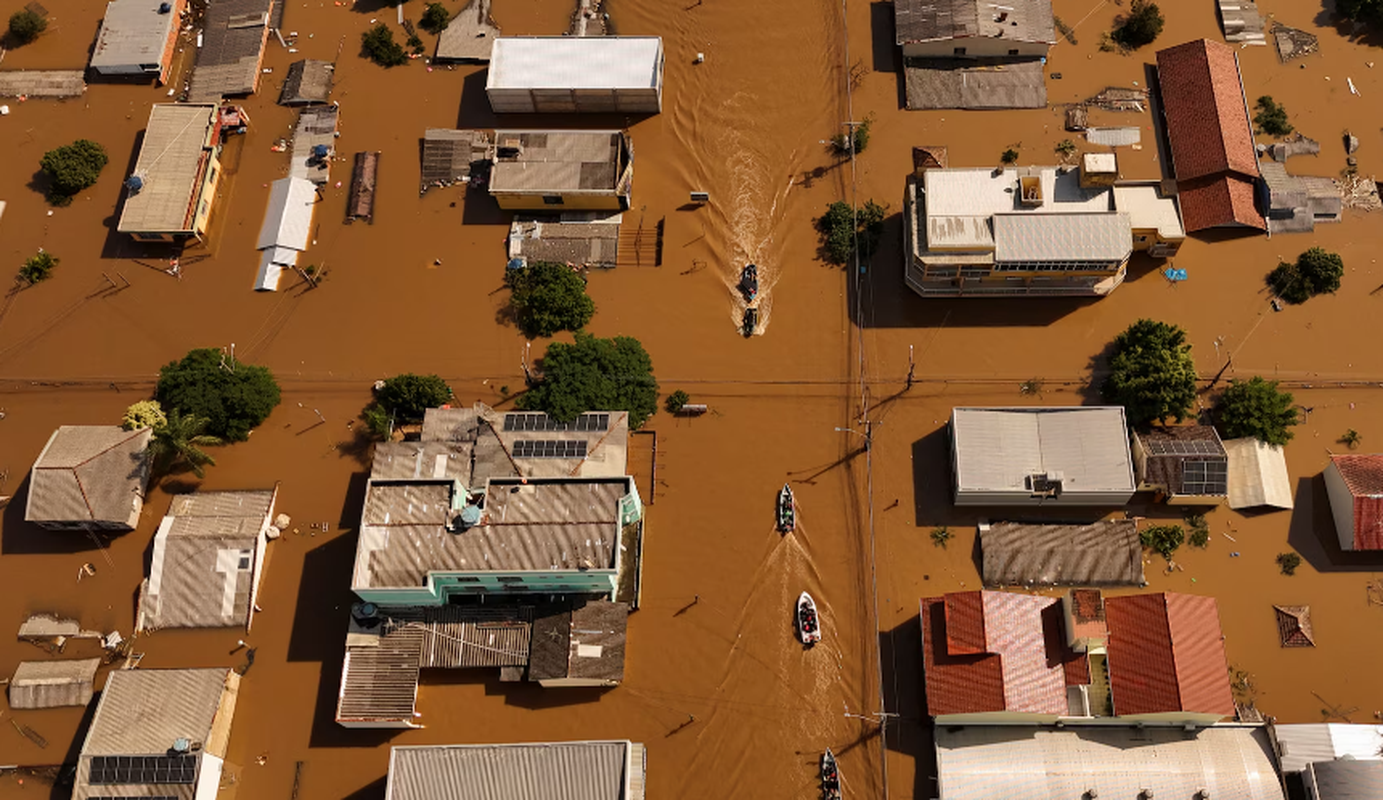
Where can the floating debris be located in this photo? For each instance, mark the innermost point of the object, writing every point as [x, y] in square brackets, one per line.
[1293, 43]
[1114, 98]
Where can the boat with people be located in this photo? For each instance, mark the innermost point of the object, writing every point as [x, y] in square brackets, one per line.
[830, 776]
[787, 511]
[808, 623]
[749, 282]
[751, 321]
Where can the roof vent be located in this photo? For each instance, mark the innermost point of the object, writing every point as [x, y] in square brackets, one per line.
[164, 8]
[1202, 794]
[181, 745]
[1146, 794]
[1092, 793]
[1045, 484]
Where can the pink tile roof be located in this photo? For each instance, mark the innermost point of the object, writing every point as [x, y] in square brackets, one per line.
[1203, 102]
[1363, 475]
[1166, 654]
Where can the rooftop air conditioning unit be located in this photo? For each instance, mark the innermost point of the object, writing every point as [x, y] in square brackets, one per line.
[1046, 484]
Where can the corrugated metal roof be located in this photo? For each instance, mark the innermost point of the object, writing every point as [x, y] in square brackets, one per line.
[90, 472]
[1166, 654]
[1095, 554]
[1303, 744]
[33, 83]
[177, 142]
[308, 81]
[288, 218]
[998, 449]
[977, 762]
[457, 637]
[52, 684]
[558, 162]
[937, 20]
[204, 565]
[1257, 474]
[133, 33]
[1062, 237]
[422, 461]
[1346, 779]
[606, 451]
[143, 711]
[551, 771]
[576, 62]
[232, 46]
[380, 683]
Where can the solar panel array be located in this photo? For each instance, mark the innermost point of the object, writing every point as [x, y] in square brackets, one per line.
[1184, 447]
[1205, 478]
[550, 448]
[542, 422]
[143, 769]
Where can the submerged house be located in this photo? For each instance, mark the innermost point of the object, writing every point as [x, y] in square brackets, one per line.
[208, 561]
[170, 195]
[158, 733]
[1257, 475]
[562, 170]
[973, 29]
[1038, 456]
[90, 477]
[1354, 484]
[308, 81]
[138, 37]
[611, 770]
[1106, 553]
[1206, 116]
[1005, 658]
[1296, 203]
[1186, 464]
[1051, 231]
[286, 229]
[576, 74]
[53, 684]
[231, 56]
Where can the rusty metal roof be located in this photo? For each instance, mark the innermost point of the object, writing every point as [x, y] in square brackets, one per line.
[1166, 654]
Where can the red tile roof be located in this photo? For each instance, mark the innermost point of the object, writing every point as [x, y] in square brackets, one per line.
[1363, 475]
[1203, 103]
[1023, 664]
[1166, 654]
[1218, 202]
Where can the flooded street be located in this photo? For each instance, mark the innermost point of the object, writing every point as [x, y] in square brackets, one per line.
[716, 686]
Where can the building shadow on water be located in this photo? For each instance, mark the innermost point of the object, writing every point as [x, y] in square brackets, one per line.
[1311, 533]
[910, 732]
[374, 790]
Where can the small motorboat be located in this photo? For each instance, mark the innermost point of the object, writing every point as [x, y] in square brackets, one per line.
[808, 623]
[787, 512]
[830, 776]
[751, 321]
[749, 282]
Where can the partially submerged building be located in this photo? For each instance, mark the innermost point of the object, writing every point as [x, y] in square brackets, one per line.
[973, 29]
[576, 74]
[308, 81]
[171, 193]
[560, 170]
[138, 37]
[53, 684]
[158, 733]
[1301, 745]
[1185, 464]
[1005, 658]
[1060, 455]
[1031, 230]
[1054, 554]
[1257, 475]
[1296, 203]
[231, 56]
[611, 770]
[286, 229]
[208, 561]
[1206, 116]
[90, 477]
[1354, 484]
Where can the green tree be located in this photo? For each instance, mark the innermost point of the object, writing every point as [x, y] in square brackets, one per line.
[179, 440]
[841, 142]
[1288, 563]
[144, 414]
[841, 228]
[72, 168]
[379, 45]
[1009, 156]
[548, 297]
[1315, 272]
[407, 397]
[1142, 25]
[1065, 148]
[232, 397]
[1271, 117]
[676, 400]
[25, 25]
[38, 267]
[1165, 539]
[595, 375]
[1151, 373]
[435, 19]
[1256, 408]
[1361, 10]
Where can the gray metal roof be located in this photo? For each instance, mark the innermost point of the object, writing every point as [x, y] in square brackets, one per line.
[144, 711]
[133, 33]
[394, 461]
[288, 218]
[1027, 763]
[171, 163]
[998, 449]
[1302, 744]
[937, 20]
[205, 561]
[233, 37]
[33, 83]
[576, 62]
[551, 771]
[51, 684]
[1095, 554]
[1346, 779]
[558, 162]
[1062, 237]
[582, 642]
[1257, 475]
[90, 473]
[308, 81]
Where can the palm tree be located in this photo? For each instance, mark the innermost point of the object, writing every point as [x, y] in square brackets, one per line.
[181, 439]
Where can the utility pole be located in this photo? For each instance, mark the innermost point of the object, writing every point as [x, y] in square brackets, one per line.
[911, 367]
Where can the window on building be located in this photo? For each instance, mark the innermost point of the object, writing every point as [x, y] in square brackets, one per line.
[1013, 52]
[552, 200]
[466, 579]
[510, 579]
[149, 237]
[960, 51]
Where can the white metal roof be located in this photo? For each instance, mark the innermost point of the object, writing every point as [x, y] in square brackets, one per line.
[576, 62]
[998, 449]
[1027, 763]
[170, 165]
[554, 771]
[1148, 207]
[288, 219]
[133, 33]
[1257, 475]
[1062, 237]
[1306, 744]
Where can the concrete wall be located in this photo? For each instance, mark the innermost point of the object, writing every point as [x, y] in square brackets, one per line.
[976, 47]
[1341, 506]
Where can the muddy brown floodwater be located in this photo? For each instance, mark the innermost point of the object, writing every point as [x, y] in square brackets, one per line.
[748, 125]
